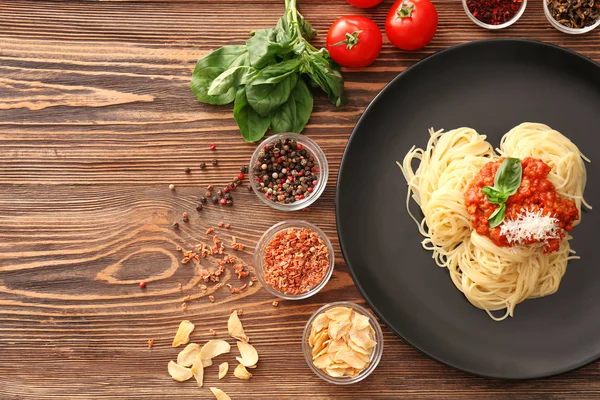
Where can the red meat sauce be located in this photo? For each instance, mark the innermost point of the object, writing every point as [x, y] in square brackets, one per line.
[535, 193]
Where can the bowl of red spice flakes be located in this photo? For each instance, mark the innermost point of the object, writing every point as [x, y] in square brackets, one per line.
[288, 171]
[294, 259]
[494, 14]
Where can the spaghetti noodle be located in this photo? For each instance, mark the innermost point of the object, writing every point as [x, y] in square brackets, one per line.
[491, 277]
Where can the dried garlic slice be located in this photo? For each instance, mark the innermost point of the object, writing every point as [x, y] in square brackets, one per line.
[214, 348]
[241, 372]
[186, 356]
[235, 328]
[320, 322]
[219, 394]
[198, 370]
[183, 333]
[249, 355]
[339, 313]
[223, 368]
[179, 373]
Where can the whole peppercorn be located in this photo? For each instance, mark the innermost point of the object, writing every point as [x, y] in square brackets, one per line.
[233, 185]
[203, 199]
[238, 182]
[171, 187]
[223, 201]
[175, 225]
[188, 170]
[214, 199]
[199, 207]
[142, 285]
[244, 169]
[186, 217]
[220, 193]
[249, 188]
[229, 202]
[214, 161]
[209, 187]
[202, 165]
[208, 193]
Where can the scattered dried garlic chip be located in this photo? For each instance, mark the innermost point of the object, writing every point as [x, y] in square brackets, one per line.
[223, 368]
[214, 348]
[249, 355]
[198, 370]
[235, 328]
[178, 372]
[186, 356]
[219, 394]
[183, 333]
[241, 372]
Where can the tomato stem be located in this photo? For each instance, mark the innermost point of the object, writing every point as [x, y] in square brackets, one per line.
[405, 10]
[351, 40]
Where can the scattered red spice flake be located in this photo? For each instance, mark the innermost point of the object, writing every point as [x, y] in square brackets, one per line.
[212, 332]
[229, 260]
[212, 146]
[184, 306]
[185, 260]
[179, 286]
[150, 343]
[236, 290]
[295, 260]
[218, 286]
[211, 298]
[254, 279]
[179, 248]
[229, 286]
[240, 312]
[251, 283]
[221, 224]
[275, 303]
[187, 298]
[239, 270]
[142, 285]
[210, 230]
[227, 226]
[244, 287]
[203, 287]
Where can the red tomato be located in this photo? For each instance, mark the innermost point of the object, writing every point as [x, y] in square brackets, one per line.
[354, 41]
[411, 24]
[364, 3]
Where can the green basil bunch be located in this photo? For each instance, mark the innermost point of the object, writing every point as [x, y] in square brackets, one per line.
[506, 183]
[267, 77]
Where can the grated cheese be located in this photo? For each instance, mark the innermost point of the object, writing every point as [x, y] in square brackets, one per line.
[530, 226]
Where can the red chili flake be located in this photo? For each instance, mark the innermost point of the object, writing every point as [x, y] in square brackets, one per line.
[254, 279]
[142, 285]
[295, 261]
[179, 248]
[212, 332]
[221, 224]
[211, 298]
[187, 298]
[235, 291]
[244, 286]
[227, 226]
[210, 230]
[494, 12]
[218, 286]
[150, 343]
[226, 189]
[212, 146]
[184, 306]
[241, 176]
[240, 312]
[185, 260]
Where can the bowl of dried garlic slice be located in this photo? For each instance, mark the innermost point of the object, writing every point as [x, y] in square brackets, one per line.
[342, 343]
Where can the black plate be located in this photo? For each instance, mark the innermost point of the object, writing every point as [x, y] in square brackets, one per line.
[491, 86]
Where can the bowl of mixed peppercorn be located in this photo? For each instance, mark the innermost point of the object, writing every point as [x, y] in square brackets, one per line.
[288, 171]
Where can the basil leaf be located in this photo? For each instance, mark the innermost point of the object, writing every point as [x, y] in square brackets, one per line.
[293, 115]
[213, 65]
[327, 76]
[306, 29]
[508, 176]
[493, 195]
[272, 86]
[252, 126]
[497, 216]
[231, 78]
[265, 45]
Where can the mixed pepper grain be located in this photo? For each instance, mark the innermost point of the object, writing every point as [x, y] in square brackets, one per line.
[295, 261]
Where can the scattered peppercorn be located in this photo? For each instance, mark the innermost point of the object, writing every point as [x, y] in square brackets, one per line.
[212, 146]
[249, 188]
[240, 176]
[175, 225]
[284, 171]
[209, 187]
[220, 193]
[233, 185]
[214, 161]
[199, 207]
[186, 217]
[223, 201]
[208, 193]
[244, 169]
[150, 343]
[203, 199]
[171, 187]
[202, 165]
[215, 200]
[188, 170]
[229, 202]
[142, 285]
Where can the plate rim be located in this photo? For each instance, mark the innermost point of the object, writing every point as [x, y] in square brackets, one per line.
[343, 160]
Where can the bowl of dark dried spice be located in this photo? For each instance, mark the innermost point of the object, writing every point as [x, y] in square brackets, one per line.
[494, 14]
[288, 171]
[573, 16]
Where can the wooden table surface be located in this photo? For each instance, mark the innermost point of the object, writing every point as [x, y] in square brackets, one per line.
[96, 120]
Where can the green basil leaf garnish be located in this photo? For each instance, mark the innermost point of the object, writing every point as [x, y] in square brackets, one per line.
[497, 216]
[506, 183]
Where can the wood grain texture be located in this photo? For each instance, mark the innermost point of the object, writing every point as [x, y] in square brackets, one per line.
[96, 120]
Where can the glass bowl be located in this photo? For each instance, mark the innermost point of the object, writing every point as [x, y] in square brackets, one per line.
[375, 356]
[268, 236]
[499, 26]
[565, 29]
[320, 162]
